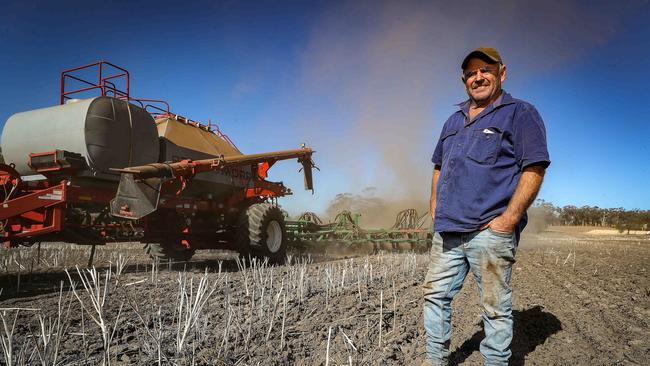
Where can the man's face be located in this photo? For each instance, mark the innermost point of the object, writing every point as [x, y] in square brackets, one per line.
[483, 80]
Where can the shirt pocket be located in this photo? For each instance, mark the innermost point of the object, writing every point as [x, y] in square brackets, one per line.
[484, 145]
[447, 143]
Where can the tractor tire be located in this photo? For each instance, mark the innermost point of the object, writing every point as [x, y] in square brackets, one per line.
[386, 246]
[261, 233]
[404, 247]
[169, 250]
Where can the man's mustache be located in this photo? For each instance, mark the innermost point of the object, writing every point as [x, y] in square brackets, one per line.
[480, 83]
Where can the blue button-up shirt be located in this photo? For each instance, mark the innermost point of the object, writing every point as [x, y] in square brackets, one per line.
[481, 162]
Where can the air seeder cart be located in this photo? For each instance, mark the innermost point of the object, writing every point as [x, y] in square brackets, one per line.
[115, 168]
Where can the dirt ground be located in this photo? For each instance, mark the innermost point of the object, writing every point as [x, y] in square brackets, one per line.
[578, 300]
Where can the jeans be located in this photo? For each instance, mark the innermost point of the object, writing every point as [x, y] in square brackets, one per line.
[489, 255]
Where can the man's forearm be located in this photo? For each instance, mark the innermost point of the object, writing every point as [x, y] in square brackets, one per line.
[525, 193]
[434, 186]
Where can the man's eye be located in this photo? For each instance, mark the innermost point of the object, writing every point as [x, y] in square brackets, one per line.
[470, 74]
[486, 70]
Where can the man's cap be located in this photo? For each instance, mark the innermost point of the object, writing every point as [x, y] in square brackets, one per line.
[485, 53]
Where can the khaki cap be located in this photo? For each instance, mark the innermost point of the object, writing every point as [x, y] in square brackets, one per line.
[488, 53]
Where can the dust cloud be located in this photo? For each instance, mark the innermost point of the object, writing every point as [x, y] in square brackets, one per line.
[539, 219]
[378, 78]
[376, 212]
[380, 211]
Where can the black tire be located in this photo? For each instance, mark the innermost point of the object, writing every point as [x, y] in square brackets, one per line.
[169, 250]
[261, 233]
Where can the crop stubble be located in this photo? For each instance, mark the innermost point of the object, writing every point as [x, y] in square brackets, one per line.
[577, 300]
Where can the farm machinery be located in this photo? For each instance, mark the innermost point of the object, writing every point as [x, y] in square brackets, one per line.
[114, 168]
[409, 232]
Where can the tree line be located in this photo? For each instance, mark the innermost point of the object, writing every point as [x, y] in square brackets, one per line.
[619, 218]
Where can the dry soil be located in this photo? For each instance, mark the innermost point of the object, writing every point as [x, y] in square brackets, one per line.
[578, 300]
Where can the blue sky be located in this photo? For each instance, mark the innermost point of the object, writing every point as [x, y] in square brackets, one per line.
[368, 84]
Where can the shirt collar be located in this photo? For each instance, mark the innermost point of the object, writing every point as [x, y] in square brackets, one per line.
[503, 99]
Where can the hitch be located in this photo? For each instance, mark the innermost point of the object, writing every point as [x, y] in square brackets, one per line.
[136, 199]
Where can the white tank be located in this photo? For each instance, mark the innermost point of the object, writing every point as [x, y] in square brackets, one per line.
[107, 132]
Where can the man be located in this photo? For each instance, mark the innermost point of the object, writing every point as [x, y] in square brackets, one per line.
[489, 164]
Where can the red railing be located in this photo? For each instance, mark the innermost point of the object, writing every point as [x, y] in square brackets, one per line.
[152, 109]
[218, 132]
[108, 75]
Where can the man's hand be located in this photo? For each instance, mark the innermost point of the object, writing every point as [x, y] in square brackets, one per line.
[525, 193]
[502, 224]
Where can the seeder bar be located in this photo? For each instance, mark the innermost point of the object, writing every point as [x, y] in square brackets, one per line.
[188, 168]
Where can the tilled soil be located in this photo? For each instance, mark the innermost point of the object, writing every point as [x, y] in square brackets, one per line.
[577, 300]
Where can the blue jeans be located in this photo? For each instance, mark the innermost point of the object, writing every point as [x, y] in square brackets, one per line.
[489, 255]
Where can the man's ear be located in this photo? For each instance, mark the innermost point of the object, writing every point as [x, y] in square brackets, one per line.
[503, 73]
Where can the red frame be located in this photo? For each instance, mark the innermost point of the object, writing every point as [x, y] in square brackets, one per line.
[39, 207]
[36, 213]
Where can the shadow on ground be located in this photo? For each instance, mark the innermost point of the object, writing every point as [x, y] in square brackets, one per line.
[531, 328]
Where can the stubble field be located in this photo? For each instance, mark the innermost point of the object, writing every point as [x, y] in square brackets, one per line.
[578, 299]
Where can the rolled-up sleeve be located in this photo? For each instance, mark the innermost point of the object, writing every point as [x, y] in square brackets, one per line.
[437, 153]
[530, 138]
